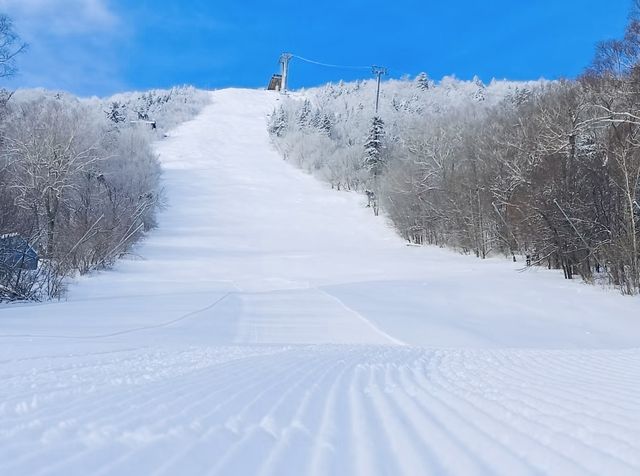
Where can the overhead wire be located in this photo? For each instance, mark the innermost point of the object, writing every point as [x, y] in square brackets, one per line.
[329, 65]
[389, 71]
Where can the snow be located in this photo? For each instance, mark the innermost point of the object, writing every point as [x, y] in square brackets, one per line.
[273, 326]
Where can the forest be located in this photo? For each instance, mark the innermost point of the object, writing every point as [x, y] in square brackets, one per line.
[546, 172]
[79, 181]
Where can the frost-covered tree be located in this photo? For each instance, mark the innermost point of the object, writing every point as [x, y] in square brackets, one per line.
[546, 170]
[277, 122]
[305, 116]
[374, 158]
[423, 82]
[166, 108]
[78, 186]
[479, 94]
[116, 112]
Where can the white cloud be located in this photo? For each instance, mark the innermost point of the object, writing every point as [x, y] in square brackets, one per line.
[61, 17]
[73, 44]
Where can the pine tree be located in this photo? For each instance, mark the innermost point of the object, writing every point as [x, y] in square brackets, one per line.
[316, 119]
[479, 95]
[374, 148]
[116, 114]
[326, 124]
[520, 96]
[277, 122]
[304, 119]
[423, 82]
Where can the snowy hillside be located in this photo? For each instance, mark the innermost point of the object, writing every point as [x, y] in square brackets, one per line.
[514, 169]
[421, 95]
[166, 107]
[271, 325]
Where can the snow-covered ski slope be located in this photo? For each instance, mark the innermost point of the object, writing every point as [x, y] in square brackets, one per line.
[271, 326]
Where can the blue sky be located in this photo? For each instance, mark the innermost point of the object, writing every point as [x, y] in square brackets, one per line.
[97, 47]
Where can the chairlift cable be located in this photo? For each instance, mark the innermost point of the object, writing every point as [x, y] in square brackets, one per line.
[329, 65]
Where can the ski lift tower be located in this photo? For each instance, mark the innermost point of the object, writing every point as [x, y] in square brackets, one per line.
[378, 71]
[284, 64]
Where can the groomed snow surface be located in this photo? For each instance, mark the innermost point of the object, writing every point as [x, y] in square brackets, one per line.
[271, 326]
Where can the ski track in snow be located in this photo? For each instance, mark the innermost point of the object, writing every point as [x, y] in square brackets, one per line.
[274, 327]
[326, 409]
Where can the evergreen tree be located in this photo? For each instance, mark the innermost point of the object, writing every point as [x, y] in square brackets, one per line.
[316, 119]
[423, 82]
[374, 148]
[305, 117]
[326, 124]
[521, 96]
[479, 95]
[116, 113]
[277, 122]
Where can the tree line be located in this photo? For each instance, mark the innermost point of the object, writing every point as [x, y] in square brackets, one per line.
[546, 170]
[79, 180]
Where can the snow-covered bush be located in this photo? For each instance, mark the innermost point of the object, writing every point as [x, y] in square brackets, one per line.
[165, 107]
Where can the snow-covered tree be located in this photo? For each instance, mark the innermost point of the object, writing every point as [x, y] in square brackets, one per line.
[305, 115]
[116, 112]
[423, 82]
[545, 169]
[277, 122]
[80, 185]
[374, 158]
